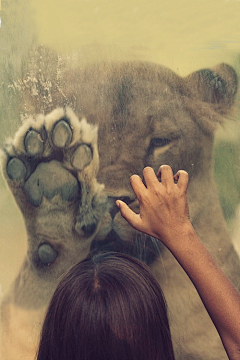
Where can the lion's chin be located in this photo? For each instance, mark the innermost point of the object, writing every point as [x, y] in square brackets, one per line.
[146, 251]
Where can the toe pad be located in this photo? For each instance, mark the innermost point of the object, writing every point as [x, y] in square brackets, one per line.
[33, 143]
[62, 134]
[47, 254]
[16, 169]
[81, 157]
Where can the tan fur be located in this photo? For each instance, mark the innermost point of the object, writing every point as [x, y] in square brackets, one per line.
[133, 104]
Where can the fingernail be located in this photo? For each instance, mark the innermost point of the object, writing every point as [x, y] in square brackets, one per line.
[118, 203]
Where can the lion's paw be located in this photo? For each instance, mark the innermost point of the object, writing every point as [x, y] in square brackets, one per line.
[51, 166]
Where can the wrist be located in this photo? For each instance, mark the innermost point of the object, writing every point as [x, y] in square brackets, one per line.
[178, 235]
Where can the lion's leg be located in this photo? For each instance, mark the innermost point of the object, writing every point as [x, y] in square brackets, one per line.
[50, 167]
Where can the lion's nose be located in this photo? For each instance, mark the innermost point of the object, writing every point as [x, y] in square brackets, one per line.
[112, 202]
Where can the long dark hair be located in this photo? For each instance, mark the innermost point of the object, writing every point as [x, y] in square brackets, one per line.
[108, 307]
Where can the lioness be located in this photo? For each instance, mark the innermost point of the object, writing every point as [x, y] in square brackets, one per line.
[87, 131]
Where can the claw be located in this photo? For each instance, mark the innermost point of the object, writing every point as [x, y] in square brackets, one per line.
[62, 134]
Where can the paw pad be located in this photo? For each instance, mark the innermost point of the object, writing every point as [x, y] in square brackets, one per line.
[33, 143]
[47, 254]
[62, 134]
[50, 179]
[16, 169]
[82, 157]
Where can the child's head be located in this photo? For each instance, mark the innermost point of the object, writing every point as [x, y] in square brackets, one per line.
[108, 307]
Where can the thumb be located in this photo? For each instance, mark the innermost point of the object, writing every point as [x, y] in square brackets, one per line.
[132, 218]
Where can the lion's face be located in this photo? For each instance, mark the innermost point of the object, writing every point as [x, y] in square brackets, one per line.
[147, 115]
[161, 135]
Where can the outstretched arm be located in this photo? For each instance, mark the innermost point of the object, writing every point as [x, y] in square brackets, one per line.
[164, 215]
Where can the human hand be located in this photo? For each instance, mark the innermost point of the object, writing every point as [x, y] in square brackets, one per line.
[163, 205]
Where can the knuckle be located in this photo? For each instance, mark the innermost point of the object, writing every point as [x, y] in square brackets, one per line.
[157, 192]
[171, 194]
[145, 199]
[140, 198]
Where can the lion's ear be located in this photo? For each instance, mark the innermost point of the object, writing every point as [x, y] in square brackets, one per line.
[217, 87]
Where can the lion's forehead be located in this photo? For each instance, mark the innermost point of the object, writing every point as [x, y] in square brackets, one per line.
[142, 122]
[123, 83]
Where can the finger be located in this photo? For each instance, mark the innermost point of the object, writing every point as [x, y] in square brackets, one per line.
[182, 179]
[165, 174]
[150, 177]
[137, 186]
[130, 216]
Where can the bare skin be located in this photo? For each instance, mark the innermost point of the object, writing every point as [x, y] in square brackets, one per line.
[164, 214]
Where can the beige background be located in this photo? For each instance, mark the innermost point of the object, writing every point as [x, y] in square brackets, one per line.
[182, 34]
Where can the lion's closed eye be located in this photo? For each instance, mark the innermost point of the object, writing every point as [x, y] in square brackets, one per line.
[158, 143]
